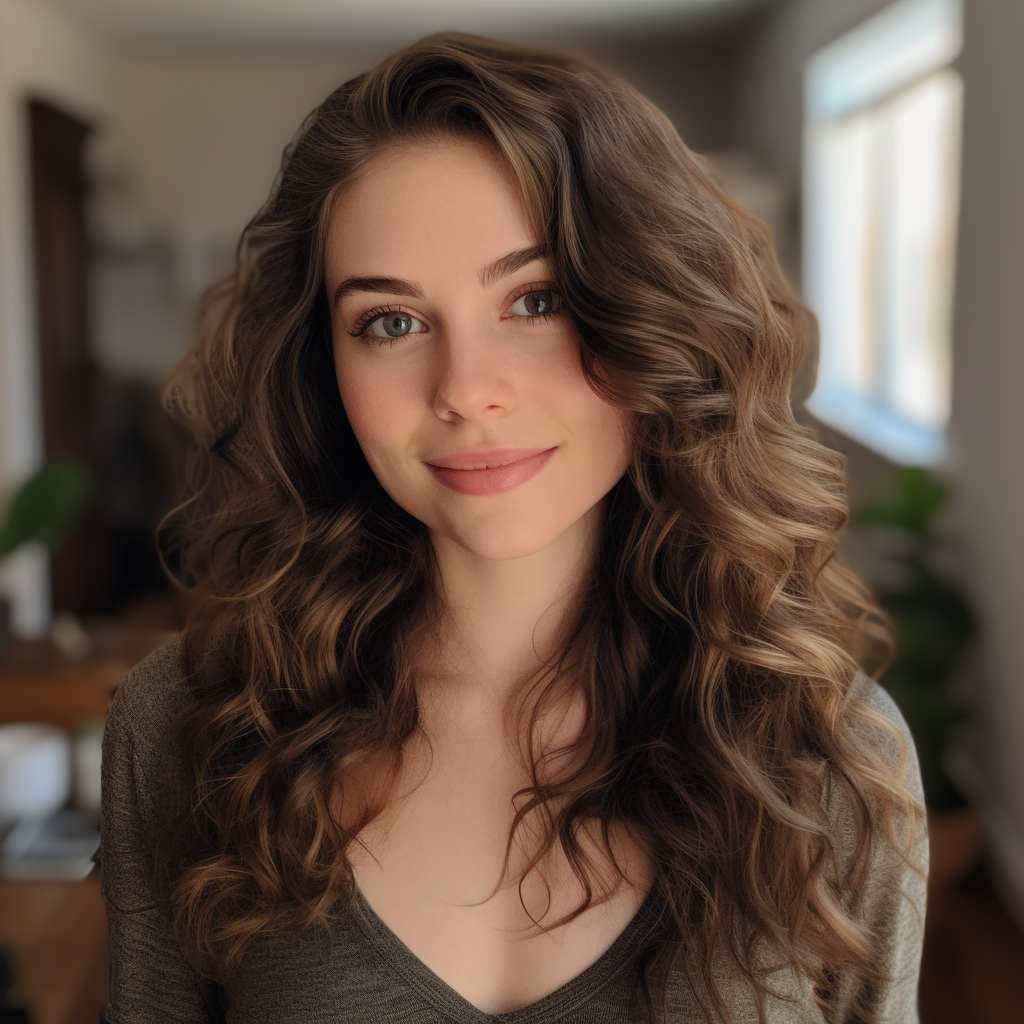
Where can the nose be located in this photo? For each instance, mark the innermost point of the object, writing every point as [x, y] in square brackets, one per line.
[473, 377]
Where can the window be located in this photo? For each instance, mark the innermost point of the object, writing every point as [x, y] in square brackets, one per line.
[881, 150]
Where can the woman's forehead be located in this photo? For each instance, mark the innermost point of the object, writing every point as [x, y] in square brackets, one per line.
[450, 199]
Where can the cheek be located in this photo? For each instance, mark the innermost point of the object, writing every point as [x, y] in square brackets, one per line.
[374, 407]
[609, 448]
[604, 427]
[612, 434]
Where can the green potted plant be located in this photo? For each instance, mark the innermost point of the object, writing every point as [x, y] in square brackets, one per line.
[934, 626]
[44, 508]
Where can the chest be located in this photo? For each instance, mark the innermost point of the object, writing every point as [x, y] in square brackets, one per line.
[429, 867]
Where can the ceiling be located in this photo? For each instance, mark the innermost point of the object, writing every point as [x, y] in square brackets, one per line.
[337, 23]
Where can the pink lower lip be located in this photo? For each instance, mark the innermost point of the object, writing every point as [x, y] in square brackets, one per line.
[493, 480]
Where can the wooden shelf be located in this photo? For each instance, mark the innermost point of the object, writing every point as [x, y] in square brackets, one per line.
[39, 684]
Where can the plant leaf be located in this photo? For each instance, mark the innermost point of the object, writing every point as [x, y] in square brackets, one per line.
[47, 505]
[907, 500]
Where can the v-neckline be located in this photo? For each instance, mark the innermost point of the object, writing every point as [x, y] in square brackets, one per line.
[457, 1008]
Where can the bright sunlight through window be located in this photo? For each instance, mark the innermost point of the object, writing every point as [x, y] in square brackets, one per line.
[881, 188]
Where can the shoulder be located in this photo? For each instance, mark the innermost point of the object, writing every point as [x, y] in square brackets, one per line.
[878, 722]
[150, 698]
[886, 895]
[878, 719]
[140, 769]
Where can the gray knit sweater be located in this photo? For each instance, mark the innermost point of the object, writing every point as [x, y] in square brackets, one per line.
[361, 972]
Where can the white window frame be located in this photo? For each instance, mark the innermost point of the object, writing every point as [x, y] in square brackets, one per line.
[902, 48]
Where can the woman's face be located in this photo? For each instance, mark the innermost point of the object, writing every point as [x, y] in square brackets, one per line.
[450, 346]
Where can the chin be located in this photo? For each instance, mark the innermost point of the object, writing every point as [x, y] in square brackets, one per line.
[500, 541]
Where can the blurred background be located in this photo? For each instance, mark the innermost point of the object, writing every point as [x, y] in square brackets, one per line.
[880, 141]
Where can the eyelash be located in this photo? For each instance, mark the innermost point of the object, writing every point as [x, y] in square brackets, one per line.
[378, 311]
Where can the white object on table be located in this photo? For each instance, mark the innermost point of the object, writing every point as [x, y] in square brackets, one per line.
[35, 770]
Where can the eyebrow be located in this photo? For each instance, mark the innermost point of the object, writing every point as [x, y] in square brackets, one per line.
[501, 267]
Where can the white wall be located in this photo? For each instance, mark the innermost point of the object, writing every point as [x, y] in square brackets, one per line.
[202, 134]
[988, 411]
[42, 56]
[187, 155]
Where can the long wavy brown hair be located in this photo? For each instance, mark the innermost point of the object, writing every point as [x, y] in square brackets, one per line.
[713, 645]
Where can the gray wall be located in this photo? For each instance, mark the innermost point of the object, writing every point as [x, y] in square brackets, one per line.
[689, 76]
[988, 410]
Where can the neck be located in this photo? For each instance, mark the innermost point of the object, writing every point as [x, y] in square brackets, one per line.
[504, 618]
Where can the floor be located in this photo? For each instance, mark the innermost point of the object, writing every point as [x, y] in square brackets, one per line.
[56, 935]
[972, 971]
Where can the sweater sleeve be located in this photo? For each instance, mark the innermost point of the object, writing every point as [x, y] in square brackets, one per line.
[150, 980]
[892, 902]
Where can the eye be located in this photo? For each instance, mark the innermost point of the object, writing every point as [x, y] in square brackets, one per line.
[389, 323]
[395, 324]
[543, 302]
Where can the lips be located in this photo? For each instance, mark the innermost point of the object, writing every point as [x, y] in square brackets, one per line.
[487, 458]
[490, 471]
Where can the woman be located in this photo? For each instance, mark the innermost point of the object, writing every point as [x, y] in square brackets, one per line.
[521, 683]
